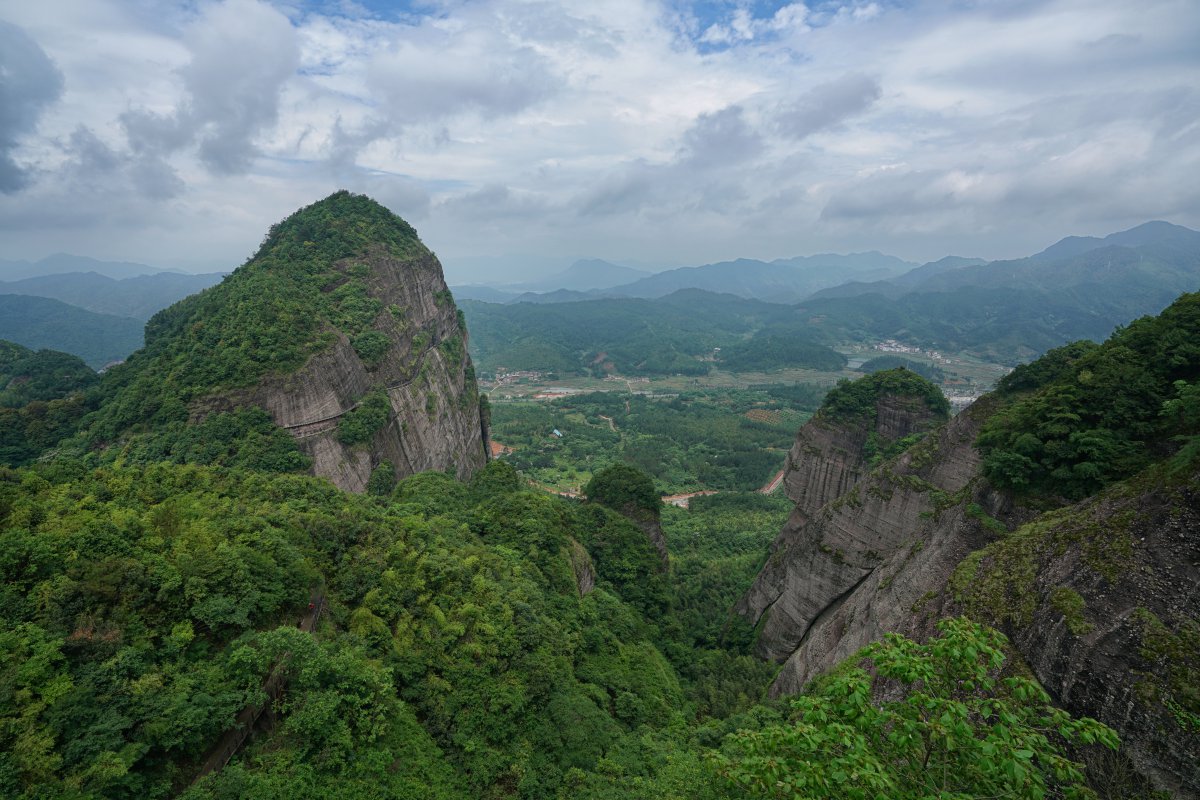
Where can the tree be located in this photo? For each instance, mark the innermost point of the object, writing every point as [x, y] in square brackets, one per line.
[958, 730]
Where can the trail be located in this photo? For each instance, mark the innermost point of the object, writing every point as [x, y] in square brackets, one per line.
[773, 484]
[243, 725]
[612, 426]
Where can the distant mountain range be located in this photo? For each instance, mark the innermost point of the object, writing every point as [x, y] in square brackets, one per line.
[1004, 311]
[784, 280]
[39, 322]
[61, 263]
[1008, 311]
[138, 297]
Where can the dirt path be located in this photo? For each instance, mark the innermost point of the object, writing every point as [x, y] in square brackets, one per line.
[612, 426]
[773, 484]
[682, 500]
[243, 725]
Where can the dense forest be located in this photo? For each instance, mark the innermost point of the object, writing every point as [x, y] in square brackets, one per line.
[731, 439]
[185, 613]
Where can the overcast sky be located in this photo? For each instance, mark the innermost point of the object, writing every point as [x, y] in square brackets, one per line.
[518, 136]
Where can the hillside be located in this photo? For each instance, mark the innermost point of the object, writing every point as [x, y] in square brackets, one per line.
[27, 376]
[42, 323]
[1098, 593]
[677, 334]
[340, 327]
[138, 297]
[780, 281]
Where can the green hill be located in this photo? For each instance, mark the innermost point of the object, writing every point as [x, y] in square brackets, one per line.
[42, 323]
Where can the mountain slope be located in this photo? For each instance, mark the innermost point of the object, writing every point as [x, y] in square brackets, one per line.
[780, 281]
[1102, 598]
[341, 327]
[39, 322]
[138, 297]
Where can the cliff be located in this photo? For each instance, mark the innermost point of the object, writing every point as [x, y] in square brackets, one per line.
[1101, 598]
[832, 452]
[1103, 601]
[342, 328]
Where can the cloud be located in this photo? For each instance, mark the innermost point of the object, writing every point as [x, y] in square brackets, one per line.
[827, 105]
[722, 137]
[242, 53]
[29, 82]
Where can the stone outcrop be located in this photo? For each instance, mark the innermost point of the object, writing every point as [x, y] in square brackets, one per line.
[890, 535]
[825, 462]
[434, 420]
[1102, 599]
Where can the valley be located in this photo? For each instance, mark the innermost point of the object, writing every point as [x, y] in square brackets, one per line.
[631, 563]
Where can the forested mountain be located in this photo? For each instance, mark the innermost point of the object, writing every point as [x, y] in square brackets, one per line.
[1043, 509]
[138, 297]
[26, 376]
[677, 334]
[183, 613]
[340, 328]
[39, 322]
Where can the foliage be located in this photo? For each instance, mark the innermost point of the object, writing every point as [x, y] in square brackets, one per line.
[26, 375]
[711, 440]
[957, 730]
[1088, 415]
[245, 438]
[858, 400]
[930, 372]
[362, 422]
[770, 351]
[620, 486]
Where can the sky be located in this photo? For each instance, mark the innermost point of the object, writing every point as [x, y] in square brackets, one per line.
[519, 136]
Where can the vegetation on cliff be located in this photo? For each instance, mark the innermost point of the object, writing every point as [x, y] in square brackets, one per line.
[1086, 415]
[26, 375]
[858, 400]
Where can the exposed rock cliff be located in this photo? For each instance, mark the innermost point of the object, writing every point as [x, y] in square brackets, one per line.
[829, 457]
[433, 422]
[903, 519]
[341, 327]
[1103, 601]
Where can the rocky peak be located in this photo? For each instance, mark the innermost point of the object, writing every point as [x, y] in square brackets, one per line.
[342, 328]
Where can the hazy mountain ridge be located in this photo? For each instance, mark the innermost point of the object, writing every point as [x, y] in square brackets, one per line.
[140, 296]
[39, 322]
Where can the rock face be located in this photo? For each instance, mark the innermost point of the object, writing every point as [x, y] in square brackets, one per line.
[807, 597]
[826, 461]
[434, 419]
[1101, 599]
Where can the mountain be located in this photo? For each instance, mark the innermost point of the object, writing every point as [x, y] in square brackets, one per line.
[584, 275]
[340, 328]
[779, 281]
[26, 375]
[62, 263]
[686, 332]
[1100, 594]
[39, 322]
[138, 297]
[1153, 233]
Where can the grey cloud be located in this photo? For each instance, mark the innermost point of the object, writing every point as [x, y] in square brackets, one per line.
[493, 202]
[243, 52]
[721, 137]
[478, 71]
[827, 105]
[29, 82]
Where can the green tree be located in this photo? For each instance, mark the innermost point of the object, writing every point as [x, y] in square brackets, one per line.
[958, 730]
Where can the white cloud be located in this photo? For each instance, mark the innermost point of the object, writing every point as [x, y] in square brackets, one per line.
[612, 128]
